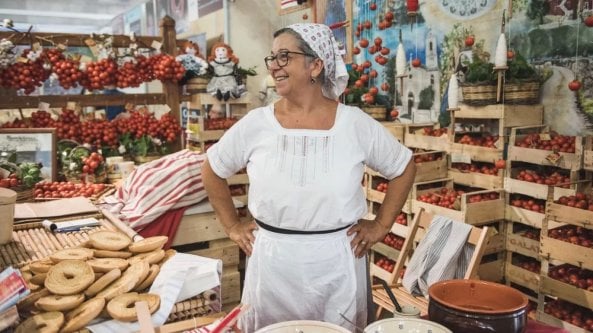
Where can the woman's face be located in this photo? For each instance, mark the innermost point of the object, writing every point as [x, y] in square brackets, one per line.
[221, 52]
[295, 73]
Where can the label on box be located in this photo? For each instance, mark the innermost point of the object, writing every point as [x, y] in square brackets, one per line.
[36, 46]
[457, 157]
[71, 105]
[156, 45]
[554, 158]
[545, 136]
[43, 106]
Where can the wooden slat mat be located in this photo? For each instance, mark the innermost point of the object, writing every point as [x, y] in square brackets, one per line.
[206, 303]
[31, 242]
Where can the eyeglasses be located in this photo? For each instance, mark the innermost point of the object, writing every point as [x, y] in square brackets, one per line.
[282, 58]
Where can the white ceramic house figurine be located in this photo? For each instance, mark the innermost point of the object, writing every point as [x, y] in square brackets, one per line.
[223, 83]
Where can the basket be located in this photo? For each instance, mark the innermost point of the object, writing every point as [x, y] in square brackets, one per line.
[24, 194]
[377, 112]
[197, 84]
[481, 94]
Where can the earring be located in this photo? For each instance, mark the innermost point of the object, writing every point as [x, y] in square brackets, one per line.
[313, 80]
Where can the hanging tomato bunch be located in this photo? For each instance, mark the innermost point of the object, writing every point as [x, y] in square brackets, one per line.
[32, 68]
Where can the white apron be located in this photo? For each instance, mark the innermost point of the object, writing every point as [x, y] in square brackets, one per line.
[304, 277]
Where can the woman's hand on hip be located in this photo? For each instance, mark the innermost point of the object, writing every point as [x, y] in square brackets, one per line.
[242, 234]
[367, 234]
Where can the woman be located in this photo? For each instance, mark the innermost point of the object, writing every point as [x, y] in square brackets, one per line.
[305, 155]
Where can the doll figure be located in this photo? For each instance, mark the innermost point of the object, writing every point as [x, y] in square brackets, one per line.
[192, 61]
[223, 84]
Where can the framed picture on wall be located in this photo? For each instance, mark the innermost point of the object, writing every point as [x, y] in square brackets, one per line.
[291, 6]
[34, 145]
[337, 14]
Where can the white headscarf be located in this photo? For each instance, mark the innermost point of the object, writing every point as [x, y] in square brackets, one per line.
[321, 39]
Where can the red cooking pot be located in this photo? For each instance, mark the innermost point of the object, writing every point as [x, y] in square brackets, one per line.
[474, 306]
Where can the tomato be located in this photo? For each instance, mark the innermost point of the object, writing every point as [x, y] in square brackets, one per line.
[5, 183]
[14, 182]
[469, 41]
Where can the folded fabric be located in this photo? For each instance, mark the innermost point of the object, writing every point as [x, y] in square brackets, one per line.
[171, 182]
[442, 254]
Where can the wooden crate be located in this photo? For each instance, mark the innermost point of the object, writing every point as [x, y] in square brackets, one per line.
[492, 271]
[522, 277]
[463, 152]
[476, 179]
[570, 161]
[195, 228]
[518, 243]
[571, 215]
[223, 249]
[588, 154]
[376, 197]
[415, 138]
[478, 213]
[430, 170]
[230, 285]
[556, 288]
[524, 216]
[496, 238]
[398, 130]
[554, 249]
[538, 191]
[551, 320]
[508, 115]
[389, 253]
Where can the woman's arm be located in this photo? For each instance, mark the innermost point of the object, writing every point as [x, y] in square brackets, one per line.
[220, 198]
[370, 232]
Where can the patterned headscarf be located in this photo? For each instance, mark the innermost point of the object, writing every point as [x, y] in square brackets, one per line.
[321, 39]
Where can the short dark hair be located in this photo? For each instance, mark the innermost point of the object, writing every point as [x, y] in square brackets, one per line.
[303, 47]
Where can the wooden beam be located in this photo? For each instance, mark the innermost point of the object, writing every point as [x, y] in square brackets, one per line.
[47, 38]
[16, 102]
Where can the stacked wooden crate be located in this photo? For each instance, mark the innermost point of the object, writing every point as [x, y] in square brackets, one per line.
[566, 248]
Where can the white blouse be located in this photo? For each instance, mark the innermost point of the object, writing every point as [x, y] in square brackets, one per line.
[302, 179]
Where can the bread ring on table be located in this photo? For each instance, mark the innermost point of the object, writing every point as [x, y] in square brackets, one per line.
[33, 286]
[69, 277]
[59, 302]
[38, 279]
[102, 265]
[29, 301]
[83, 314]
[122, 307]
[136, 273]
[27, 275]
[152, 273]
[41, 266]
[46, 322]
[109, 240]
[148, 244]
[102, 282]
[76, 253]
[112, 254]
[152, 257]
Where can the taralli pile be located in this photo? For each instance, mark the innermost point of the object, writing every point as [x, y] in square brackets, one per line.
[105, 278]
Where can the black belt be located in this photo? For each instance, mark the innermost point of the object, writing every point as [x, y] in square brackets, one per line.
[297, 232]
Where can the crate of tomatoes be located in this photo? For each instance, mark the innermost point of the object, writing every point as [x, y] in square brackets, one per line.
[57, 190]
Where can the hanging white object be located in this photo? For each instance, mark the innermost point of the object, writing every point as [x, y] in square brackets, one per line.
[500, 58]
[400, 60]
[453, 92]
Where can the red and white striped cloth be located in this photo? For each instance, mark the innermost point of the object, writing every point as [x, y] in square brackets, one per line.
[171, 182]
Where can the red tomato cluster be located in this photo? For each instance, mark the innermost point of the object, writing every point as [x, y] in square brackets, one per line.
[571, 313]
[419, 158]
[579, 200]
[68, 72]
[554, 178]
[42, 119]
[219, 123]
[556, 142]
[25, 75]
[386, 264]
[448, 198]
[98, 132]
[525, 202]
[479, 167]
[382, 187]
[134, 72]
[574, 235]
[578, 277]
[145, 123]
[530, 264]
[67, 190]
[487, 141]
[11, 181]
[394, 241]
[166, 68]
[402, 219]
[435, 131]
[91, 163]
[17, 123]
